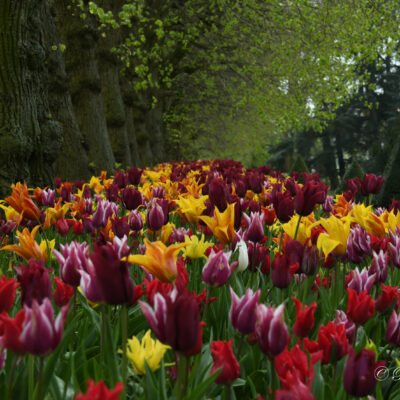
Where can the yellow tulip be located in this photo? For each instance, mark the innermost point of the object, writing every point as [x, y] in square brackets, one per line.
[159, 260]
[335, 238]
[368, 220]
[191, 207]
[147, 351]
[195, 248]
[304, 231]
[222, 224]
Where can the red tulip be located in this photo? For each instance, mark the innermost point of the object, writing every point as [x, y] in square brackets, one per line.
[8, 287]
[360, 308]
[225, 360]
[63, 292]
[304, 318]
[387, 297]
[371, 184]
[332, 340]
[100, 391]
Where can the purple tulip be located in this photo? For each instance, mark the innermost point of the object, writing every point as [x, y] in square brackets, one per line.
[72, 258]
[175, 319]
[217, 270]
[379, 267]
[154, 216]
[359, 373]
[255, 230]
[394, 247]
[341, 318]
[358, 245]
[243, 311]
[135, 221]
[360, 281]
[41, 334]
[393, 329]
[131, 198]
[271, 330]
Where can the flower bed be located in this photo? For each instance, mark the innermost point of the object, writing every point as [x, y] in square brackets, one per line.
[199, 280]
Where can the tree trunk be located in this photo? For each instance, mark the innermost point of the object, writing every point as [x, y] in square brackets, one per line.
[72, 163]
[80, 38]
[30, 138]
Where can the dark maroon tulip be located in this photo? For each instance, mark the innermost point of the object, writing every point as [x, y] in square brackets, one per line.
[65, 193]
[371, 184]
[255, 230]
[175, 319]
[218, 194]
[310, 262]
[394, 206]
[353, 185]
[261, 259]
[120, 179]
[241, 187]
[35, 282]
[294, 251]
[308, 196]
[360, 371]
[112, 274]
[282, 271]
[255, 181]
[283, 205]
[134, 175]
[62, 227]
[120, 226]
[112, 192]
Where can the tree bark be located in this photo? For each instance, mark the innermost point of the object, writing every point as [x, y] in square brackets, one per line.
[30, 138]
[72, 163]
[81, 38]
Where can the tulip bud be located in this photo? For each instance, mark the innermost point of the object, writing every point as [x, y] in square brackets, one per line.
[360, 308]
[310, 262]
[243, 311]
[243, 256]
[282, 271]
[272, 333]
[304, 318]
[359, 377]
[154, 216]
[135, 221]
[217, 270]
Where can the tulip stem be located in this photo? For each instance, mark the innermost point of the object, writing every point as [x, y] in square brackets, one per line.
[297, 227]
[240, 346]
[280, 241]
[103, 334]
[182, 375]
[39, 385]
[228, 392]
[12, 373]
[124, 328]
[31, 366]
[208, 295]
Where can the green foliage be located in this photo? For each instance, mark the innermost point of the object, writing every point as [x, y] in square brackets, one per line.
[299, 165]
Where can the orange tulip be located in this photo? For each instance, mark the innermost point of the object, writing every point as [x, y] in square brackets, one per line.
[28, 247]
[222, 224]
[159, 260]
[21, 201]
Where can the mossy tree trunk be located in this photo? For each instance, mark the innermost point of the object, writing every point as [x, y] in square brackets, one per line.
[30, 139]
[72, 162]
[80, 38]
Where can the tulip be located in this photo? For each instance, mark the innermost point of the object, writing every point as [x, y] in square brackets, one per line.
[360, 281]
[379, 266]
[358, 245]
[217, 270]
[48, 197]
[386, 298]
[191, 207]
[333, 342]
[72, 258]
[135, 221]
[255, 181]
[63, 292]
[112, 193]
[359, 373]
[147, 351]
[195, 248]
[258, 259]
[224, 360]
[8, 287]
[100, 391]
[283, 205]
[341, 318]
[335, 238]
[294, 250]
[21, 201]
[242, 313]
[41, 334]
[222, 224]
[35, 282]
[371, 184]
[394, 247]
[218, 194]
[120, 226]
[196, 349]
[120, 179]
[159, 260]
[154, 216]
[175, 319]
[243, 260]
[12, 329]
[393, 329]
[282, 271]
[310, 262]
[271, 331]
[255, 230]
[105, 209]
[134, 175]
[304, 318]
[360, 308]
[178, 235]
[308, 196]
[131, 198]
[112, 274]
